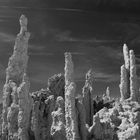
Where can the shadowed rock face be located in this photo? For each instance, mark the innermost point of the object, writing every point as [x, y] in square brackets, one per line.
[56, 85]
[58, 122]
[55, 113]
[99, 103]
[88, 96]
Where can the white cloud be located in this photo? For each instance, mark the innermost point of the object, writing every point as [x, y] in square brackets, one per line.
[65, 36]
[5, 37]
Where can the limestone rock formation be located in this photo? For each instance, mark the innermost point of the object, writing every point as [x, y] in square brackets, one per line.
[47, 104]
[126, 57]
[129, 127]
[125, 73]
[108, 93]
[12, 114]
[106, 96]
[101, 129]
[56, 85]
[133, 78]
[56, 113]
[25, 105]
[13, 121]
[81, 113]
[88, 96]
[13, 117]
[58, 124]
[128, 84]
[35, 120]
[69, 69]
[123, 84]
[41, 116]
[6, 103]
[70, 110]
[18, 61]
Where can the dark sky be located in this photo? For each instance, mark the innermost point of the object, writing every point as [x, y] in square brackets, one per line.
[92, 30]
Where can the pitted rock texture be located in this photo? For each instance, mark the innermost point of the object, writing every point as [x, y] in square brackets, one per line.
[58, 124]
[88, 96]
[72, 132]
[16, 98]
[18, 61]
[56, 85]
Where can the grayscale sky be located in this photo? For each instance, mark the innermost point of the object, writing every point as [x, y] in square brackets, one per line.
[92, 30]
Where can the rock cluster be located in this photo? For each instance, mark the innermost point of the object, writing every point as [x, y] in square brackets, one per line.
[56, 113]
[128, 84]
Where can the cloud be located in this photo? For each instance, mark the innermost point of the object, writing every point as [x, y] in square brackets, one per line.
[103, 77]
[105, 62]
[34, 47]
[66, 36]
[74, 5]
[40, 54]
[102, 57]
[5, 37]
[77, 53]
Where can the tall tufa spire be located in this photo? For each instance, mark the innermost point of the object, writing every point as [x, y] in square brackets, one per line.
[18, 61]
[72, 132]
[68, 68]
[88, 96]
[126, 56]
[133, 77]
[125, 74]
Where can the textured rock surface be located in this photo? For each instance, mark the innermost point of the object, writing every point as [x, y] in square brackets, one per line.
[16, 99]
[88, 97]
[106, 96]
[128, 84]
[70, 110]
[123, 84]
[47, 104]
[55, 113]
[13, 111]
[25, 104]
[125, 73]
[18, 61]
[41, 116]
[133, 78]
[83, 128]
[6, 103]
[58, 125]
[126, 57]
[56, 85]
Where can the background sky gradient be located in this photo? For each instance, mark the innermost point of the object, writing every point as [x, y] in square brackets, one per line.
[94, 31]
